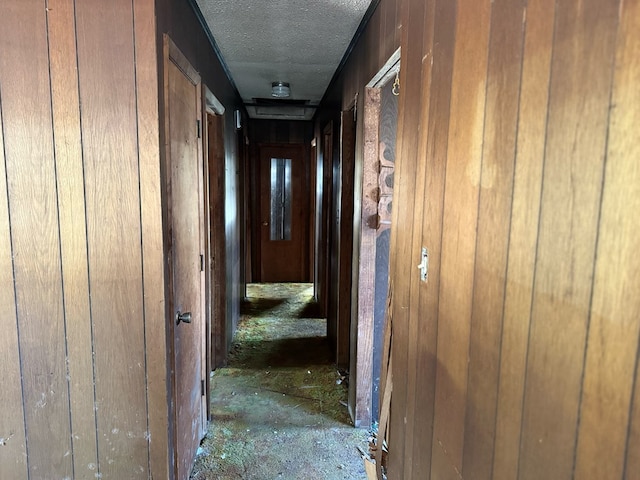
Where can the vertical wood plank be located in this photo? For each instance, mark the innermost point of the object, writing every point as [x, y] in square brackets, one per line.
[152, 236]
[576, 133]
[30, 176]
[109, 132]
[13, 451]
[367, 261]
[422, 96]
[459, 233]
[435, 158]
[494, 218]
[612, 342]
[70, 186]
[402, 226]
[632, 460]
[534, 91]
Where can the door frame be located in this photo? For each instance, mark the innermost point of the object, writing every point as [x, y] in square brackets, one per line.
[172, 54]
[213, 133]
[362, 329]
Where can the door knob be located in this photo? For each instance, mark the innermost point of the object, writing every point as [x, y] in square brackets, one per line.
[265, 224]
[183, 317]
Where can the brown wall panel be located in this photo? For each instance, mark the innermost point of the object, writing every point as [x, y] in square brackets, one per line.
[107, 89]
[530, 285]
[402, 214]
[424, 15]
[462, 186]
[494, 217]
[612, 341]
[625, 95]
[436, 149]
[523, 234]
[13, 451]
[31, 180]
[70, 186]
[152, 242]
[572, 182]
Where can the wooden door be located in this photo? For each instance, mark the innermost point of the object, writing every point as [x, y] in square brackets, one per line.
[284, 203]
[185, 174]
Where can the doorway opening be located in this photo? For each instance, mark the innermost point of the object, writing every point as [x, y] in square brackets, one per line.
[380, 125]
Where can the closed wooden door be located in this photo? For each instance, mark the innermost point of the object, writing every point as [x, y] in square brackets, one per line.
[187, 241]
[284, 205]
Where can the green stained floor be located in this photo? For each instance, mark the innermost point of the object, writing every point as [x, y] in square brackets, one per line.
[278, 411]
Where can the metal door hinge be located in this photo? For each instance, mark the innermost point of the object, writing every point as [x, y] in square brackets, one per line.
[203, 390]
[202, 263]
[198, 127]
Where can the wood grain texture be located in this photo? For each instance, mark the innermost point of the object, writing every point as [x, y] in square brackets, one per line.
[367, 262]
[494, 219]
[462, 185]
[527, 183]
[421, 417]
[112, 186]
[153, 245]
[13, 452]
[33, 206]
[185, 168]
[70, 188]
[435, 154]
[612, 341]
[402, 265]
[551, 328]
[576, 133]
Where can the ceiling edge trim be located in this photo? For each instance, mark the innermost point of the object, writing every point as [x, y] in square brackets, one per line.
[212, 42]
[356, 36]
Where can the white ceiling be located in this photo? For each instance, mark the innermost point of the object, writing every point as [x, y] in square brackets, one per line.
[297, 41]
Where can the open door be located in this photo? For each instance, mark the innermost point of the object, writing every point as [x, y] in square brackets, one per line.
[186, 217]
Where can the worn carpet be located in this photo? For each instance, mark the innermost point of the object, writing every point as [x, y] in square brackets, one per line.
[279, 408]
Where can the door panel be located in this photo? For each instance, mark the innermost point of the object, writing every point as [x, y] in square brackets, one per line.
[187, 242]
[283, 206]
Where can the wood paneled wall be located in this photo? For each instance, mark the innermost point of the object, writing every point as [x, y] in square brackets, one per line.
[83, 345]
[82, 250]
[518, 168]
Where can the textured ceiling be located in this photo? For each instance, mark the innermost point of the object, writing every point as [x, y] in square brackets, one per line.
[295, 41]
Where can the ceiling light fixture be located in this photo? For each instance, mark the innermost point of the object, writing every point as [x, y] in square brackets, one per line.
[280, 90]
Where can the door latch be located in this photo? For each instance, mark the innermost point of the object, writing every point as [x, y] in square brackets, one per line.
[424, 264]
[183, 317]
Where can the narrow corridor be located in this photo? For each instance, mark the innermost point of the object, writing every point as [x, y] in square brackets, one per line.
[279, 408]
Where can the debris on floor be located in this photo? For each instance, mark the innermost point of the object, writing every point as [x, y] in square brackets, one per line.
[277, 410]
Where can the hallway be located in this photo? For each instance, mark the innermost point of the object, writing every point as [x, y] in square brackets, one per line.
[277, 409]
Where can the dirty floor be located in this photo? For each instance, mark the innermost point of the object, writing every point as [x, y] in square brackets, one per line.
[279, 408]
